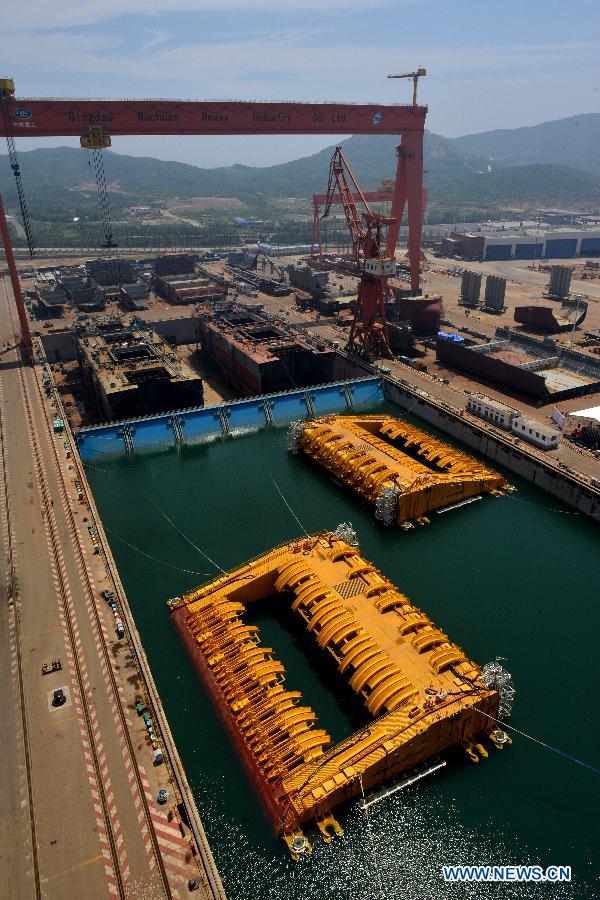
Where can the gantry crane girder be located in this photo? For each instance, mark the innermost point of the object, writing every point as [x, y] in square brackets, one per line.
[70, 118]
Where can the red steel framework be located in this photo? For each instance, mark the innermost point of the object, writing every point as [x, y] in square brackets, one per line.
[368, 332]
[29, 117]
[319, 200]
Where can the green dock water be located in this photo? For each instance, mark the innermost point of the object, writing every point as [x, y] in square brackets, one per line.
[513, 577]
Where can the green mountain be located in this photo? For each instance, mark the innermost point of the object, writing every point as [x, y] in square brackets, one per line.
[573, 142]
[459, 174]
[57, 179]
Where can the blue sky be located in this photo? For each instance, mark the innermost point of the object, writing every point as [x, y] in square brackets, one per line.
[496, 64]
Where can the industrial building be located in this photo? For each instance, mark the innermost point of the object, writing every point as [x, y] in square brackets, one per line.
[525, 365]
[534, 244]
[183, 289]
[128, 370]
[257, 354]
[543, 436]
[111, 271]
[175, 264]
[507, 417]
[283, 250]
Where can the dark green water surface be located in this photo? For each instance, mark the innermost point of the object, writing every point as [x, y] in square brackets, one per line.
[515, 577]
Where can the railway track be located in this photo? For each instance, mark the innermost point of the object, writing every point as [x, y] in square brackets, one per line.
[12, 592]
[69, 619]
[75, 538]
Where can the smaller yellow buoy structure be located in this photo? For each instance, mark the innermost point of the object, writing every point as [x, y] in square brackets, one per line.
[403, 471]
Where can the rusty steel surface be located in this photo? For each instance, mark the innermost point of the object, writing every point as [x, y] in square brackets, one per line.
[31, 117]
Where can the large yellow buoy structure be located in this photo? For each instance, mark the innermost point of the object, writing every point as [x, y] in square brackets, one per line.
[421, 691]
[403, 471]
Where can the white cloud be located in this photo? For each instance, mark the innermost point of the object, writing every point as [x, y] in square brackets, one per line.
[280, 62]
[43, 14]
[155, 39]
[469, 88]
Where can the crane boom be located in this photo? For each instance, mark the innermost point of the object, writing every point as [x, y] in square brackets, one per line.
[368, 332]
[340, 174]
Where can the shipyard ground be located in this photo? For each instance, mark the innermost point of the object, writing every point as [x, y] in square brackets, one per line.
[454, 397]
[441, 383]
[79, 813]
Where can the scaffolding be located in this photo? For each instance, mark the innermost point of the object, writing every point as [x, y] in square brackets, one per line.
[496, 678]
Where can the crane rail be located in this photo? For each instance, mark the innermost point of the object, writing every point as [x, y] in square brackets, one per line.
[14, 600]
[70, 629]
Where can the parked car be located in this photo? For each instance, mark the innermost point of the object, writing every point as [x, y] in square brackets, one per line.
[58, 697]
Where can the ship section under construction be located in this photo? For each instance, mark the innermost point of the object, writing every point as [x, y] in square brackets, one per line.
[257, 354]
[402, 470]
[423, 693]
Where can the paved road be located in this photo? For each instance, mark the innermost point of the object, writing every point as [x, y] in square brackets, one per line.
[521, 272]
[72, 819]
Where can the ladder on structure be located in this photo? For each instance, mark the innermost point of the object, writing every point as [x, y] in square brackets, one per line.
[348, 396]
[128, 438]
[223, 416]
[267, 409]
[176, 423]
[310, 406]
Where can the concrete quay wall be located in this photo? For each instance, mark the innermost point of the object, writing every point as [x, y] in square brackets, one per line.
[498, 446]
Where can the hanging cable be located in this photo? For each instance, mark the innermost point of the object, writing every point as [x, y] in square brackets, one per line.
[371, 838]
[573, 759]
[162, 562]
[95, 141]
[102, 188]
[286, 503]
[186, 538]
[16, 169]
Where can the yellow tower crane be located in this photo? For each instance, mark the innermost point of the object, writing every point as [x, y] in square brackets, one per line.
[415, 79]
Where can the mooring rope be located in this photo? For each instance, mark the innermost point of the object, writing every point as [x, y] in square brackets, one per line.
[154, 558]
[371, 838]
[189, 540]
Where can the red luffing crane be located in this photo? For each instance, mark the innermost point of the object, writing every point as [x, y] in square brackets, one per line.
[375, 263]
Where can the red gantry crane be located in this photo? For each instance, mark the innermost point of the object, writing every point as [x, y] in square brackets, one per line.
[374, 261]
[94, 121]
